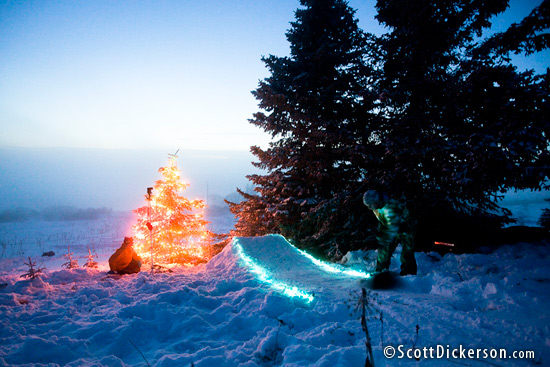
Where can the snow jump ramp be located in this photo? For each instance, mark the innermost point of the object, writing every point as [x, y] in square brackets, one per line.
[275, 261]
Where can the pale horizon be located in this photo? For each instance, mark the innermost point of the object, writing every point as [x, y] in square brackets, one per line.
[38, 178]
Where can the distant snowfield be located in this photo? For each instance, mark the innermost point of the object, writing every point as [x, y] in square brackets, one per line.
[229, 313]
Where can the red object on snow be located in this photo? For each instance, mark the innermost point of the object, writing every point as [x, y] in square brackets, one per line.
[444, 244]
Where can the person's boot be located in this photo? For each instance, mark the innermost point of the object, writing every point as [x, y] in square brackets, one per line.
[381, 268]
[408, 271]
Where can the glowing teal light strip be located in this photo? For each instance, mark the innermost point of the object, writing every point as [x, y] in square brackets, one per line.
[334, 268]
[264, 276]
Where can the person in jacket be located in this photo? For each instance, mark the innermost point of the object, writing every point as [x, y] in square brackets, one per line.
[125, 260]
[394, 227]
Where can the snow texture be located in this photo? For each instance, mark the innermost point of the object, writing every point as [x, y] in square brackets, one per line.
[225, 314]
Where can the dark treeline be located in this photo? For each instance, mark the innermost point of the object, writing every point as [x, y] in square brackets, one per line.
[56, 213]
[430, 112]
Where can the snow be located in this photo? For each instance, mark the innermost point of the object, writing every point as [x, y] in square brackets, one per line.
[225, 313]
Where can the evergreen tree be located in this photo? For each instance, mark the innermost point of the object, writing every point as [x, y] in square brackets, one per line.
[314, 108]
[176, 224]
[462, 125]
[90, 262]
[527, 37]
[71, 263]
[431, 112]
[253, 216]
[33, 271]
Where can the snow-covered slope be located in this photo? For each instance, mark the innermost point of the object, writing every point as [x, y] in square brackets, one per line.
[226, 313]
[293, 272]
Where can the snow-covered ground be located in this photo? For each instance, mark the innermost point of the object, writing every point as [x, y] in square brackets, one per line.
[233, 311]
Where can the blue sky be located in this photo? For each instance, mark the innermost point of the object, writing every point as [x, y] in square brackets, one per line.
[143, 74]
[108, 74]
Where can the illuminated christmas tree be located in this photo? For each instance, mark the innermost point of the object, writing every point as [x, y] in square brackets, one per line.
[171, 229]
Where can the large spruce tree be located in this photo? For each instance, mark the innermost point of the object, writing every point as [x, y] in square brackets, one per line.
[432, 112]
[316, 107]
[462, 124]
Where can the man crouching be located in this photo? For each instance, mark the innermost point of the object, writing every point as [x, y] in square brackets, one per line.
[125, 260]
[395, 226]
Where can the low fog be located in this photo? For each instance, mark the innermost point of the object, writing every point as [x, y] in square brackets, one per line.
[93, 178]
[118, 179]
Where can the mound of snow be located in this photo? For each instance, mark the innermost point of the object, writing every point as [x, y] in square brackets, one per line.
[223, 314]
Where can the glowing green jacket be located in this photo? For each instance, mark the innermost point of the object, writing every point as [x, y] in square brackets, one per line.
[393, 219]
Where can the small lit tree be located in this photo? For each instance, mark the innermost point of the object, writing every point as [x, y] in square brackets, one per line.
[71, 263]
[174, 224]
[91, 263]
[33, 272]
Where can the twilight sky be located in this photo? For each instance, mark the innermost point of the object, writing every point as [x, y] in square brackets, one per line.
[143, 74]
[95, 94]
